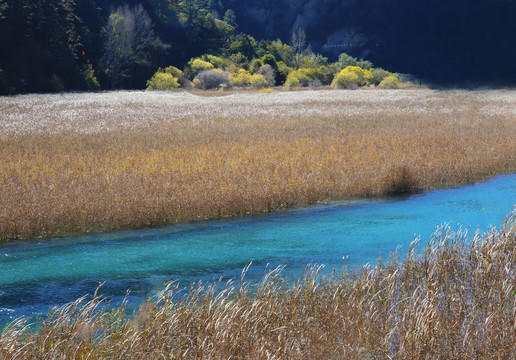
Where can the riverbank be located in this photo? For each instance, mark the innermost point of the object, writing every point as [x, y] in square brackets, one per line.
[97, 162]
[454, 300]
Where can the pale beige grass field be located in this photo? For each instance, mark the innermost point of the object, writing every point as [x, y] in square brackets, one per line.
[90, 162]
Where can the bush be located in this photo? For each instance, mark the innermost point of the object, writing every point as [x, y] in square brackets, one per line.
[315, 83]
[349, 78]
[282, 73]
[302, 77]
[255, 65]
[178, 74]
[269, 59]
[172, 70]
[88, 74]
[162, 81]
[241, 78]
[258, 81]
[328, 73]
[390, 82]
[216, 61]
[294, 79]
[281, 52]
[268, 73]
[291, 82]
[368, 77]
[211, 79]
[378, 75]
[365, 64]
[319, 60]
[197, 65]
[307, 62]
[346, 60]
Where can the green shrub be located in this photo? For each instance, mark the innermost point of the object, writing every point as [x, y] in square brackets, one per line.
[197, 65]
[162, 81]
[378, 75]
[303, 77]
[255, 65]
[282, 73]
[172, 70]
[178, 74]
[216, 61]
[88, 74]
[390, 82]
[291, 82]
[346, 60]
[328, 73]
[235, 62]
[307, 62]
[320, 60]
[269, 59]
[281, 52]
[365, 64]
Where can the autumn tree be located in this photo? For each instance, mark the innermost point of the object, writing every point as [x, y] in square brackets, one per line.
[129, 40]
[299, 47]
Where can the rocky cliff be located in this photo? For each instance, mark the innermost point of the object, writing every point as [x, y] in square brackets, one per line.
[332, 26]
[451, 40]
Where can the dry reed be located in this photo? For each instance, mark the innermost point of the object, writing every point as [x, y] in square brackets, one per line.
[95, 162]
[454, 300]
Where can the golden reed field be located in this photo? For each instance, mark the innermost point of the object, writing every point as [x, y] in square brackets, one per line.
[93, 162]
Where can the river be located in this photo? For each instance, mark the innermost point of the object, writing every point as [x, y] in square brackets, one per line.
[38, 274]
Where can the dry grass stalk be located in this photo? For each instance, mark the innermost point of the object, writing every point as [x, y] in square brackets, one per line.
[90, 162]
[452, 301]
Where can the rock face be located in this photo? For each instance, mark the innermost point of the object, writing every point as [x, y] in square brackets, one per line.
[326, 22]
[441, 40]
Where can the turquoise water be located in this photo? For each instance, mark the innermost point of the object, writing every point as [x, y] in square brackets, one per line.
[36, 275]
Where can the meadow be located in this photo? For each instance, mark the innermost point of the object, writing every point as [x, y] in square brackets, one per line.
[454, 300]
[80, 162]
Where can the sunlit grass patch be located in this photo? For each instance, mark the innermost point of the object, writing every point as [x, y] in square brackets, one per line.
[91, 162]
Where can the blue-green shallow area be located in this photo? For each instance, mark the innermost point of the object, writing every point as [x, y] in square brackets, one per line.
[36, 275]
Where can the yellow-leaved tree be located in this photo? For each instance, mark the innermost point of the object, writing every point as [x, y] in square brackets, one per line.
[351, 77]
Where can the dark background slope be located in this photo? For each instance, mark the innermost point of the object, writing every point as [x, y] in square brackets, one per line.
[444, 41]
[46, 44]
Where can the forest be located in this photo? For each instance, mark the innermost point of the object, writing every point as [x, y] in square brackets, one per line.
[52, 46]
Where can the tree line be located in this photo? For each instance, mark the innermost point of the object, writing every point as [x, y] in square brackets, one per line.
[443, 41]
[57, 45]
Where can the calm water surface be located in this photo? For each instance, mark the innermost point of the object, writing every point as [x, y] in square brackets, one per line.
[36, 275]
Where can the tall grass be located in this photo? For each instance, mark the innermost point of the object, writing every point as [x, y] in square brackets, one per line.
[90, 162]
[454, 300]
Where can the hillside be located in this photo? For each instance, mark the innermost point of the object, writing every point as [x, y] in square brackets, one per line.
[49, 46]
[443, 41]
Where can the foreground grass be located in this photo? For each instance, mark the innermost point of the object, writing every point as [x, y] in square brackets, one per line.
[453, 301]
[93, 162]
